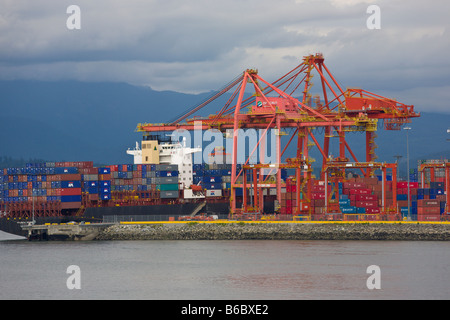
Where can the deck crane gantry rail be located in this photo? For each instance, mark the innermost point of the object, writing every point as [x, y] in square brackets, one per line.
[274, 106]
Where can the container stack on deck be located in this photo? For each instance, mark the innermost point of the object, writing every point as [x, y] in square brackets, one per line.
[44, 182]
[56, 186]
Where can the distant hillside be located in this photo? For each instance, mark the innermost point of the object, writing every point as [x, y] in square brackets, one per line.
[77, 121]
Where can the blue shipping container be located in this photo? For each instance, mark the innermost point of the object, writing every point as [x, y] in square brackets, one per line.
[360, 210]
[105, 190]
[105, 183]
[402, 197]
[105, 170]
[208, 185]
[166, 174]
[66, 170]
[91, 183]
[348, 209]
[105, 196]
[93, 190]
[71, 184]
[70, 198]
[212, 179]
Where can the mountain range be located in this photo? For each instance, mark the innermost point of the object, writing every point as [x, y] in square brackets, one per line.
[80, 121]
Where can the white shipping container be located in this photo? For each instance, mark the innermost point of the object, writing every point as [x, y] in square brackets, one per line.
[214, 193]
[189, 194]
[264, 192]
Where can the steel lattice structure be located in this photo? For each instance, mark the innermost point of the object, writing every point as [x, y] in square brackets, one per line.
[288, 103]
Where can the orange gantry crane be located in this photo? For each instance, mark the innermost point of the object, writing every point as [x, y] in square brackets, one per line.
[288, 103]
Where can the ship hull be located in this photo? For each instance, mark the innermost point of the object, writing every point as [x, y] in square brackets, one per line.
[152, 212]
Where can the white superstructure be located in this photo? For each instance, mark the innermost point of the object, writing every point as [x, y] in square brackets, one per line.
[136, 153]
[171, 153]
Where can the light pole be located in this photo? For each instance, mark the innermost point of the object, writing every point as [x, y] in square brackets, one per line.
[407, 173]
[398, 157]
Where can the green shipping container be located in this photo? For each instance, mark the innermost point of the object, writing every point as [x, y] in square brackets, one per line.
[168, 187]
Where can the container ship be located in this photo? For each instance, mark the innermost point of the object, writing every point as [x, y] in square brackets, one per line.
[171, 188]
[164, 183]
[175, 188]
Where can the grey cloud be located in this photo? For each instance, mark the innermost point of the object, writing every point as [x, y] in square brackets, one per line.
[199, 45]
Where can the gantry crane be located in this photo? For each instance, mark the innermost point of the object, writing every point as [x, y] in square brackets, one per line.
[288, 103]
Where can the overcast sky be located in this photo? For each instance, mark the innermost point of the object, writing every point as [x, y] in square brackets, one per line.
[200, 45]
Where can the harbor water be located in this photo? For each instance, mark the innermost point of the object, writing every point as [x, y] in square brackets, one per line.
[223, 270]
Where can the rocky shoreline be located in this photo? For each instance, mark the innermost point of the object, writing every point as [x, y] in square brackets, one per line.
[278, 231]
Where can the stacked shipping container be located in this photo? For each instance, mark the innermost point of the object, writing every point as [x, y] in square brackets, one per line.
[44, 182]
[66, 182]
[425, 203]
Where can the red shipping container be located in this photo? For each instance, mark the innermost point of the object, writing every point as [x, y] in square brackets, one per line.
[89, 171]
[86, 164]
[373, 210]
[137, 174]
[421, 217]
[70, 205]
[364, 197]
[316, 195]
[367, 204]
[428, 203]
[360, 191]
[70, 192]
[291, 188]
[319, 202]
[428, 210]
[402, 184]
[93, 197]
[68, 177]
[319, 189]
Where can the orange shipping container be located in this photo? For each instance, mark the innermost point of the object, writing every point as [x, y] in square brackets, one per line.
[104, 177]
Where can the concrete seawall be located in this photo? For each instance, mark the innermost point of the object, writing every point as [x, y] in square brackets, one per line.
[278, 231]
